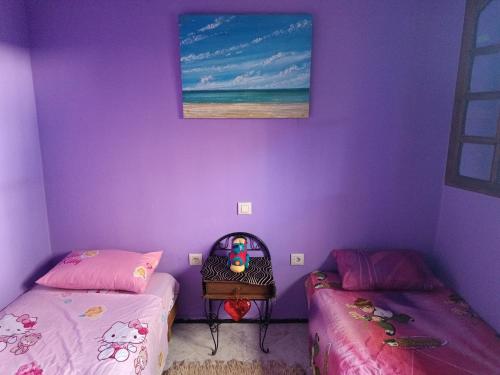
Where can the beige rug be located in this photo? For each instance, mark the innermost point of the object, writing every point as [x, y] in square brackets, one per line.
[234, 367]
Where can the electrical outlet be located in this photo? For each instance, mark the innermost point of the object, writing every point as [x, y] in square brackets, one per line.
[195, 259]
[297, 259]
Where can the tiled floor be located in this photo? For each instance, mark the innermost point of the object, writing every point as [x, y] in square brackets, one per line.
[287, 342]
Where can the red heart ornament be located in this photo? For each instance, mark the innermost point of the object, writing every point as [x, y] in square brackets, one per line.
[237, 308]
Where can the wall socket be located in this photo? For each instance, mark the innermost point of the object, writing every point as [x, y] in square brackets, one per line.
[297, 259]
[195, 259]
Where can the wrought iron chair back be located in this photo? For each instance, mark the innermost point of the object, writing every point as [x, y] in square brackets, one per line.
[253, 244]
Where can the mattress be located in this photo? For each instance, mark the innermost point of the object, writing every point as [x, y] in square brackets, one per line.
[391, 332]
[165, 286]
[58, 332]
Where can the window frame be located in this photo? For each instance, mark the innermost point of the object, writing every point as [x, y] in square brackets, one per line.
[462, 96]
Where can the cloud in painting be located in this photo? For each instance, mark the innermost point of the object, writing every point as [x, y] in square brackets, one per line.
[245, 52]
[193, 39]
[218, 21]
[200, 34]
[204, 80]
[219, 52]
[276, 33]
[277, 59]
[290, 77]
[290, 29]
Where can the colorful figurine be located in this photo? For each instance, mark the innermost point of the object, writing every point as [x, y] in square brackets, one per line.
[238, 257]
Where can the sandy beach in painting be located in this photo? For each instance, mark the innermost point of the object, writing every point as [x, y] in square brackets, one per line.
[246, 110]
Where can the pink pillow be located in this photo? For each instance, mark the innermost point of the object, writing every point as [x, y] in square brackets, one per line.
[384, 269]
[103, 269]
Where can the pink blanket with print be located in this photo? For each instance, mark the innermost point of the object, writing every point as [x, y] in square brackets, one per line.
[386, 333]
[58, 332]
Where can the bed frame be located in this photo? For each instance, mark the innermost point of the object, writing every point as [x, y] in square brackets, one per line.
[171, 318]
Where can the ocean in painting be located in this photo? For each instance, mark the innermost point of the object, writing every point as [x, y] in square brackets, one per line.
[245, 65]
[247, 96]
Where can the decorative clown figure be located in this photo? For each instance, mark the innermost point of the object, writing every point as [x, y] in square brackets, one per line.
[238, 257]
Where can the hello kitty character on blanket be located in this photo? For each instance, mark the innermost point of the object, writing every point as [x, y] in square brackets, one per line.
[120, 340]
[12, 326]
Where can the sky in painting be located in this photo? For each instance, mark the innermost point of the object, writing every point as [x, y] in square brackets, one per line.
[244, 52]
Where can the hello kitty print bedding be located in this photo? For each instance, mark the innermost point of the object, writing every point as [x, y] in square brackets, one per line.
[59, 332]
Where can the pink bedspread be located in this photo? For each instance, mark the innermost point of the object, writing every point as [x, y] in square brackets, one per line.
[58, 332]
[385, 333]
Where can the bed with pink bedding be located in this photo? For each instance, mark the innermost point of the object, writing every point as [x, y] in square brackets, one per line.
[51, 331]
[396, 332]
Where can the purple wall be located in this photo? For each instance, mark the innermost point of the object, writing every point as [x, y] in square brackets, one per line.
[468, 248]
[24, 233]
[122, 169]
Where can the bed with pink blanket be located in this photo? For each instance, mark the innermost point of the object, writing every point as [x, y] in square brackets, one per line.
[51, 331]
[396, 332]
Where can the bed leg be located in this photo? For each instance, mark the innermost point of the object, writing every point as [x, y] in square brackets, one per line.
[170, 320]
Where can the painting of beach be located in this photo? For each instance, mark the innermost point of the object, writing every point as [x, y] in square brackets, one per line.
[245, 66]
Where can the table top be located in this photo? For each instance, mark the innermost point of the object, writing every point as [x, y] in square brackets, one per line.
[259, 272]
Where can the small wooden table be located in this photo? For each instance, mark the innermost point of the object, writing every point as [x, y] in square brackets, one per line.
[255, 284]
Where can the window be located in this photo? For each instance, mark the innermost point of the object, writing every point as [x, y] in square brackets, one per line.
[474, 150]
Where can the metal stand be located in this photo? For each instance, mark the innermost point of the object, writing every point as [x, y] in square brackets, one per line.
[264, 318]
[213, 322]
[265, 312]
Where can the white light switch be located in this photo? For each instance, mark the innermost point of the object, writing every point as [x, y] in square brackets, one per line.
[195, 259]
[297, 259]
[244, 208]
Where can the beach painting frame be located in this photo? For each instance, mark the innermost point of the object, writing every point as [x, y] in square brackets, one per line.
[245, 65]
